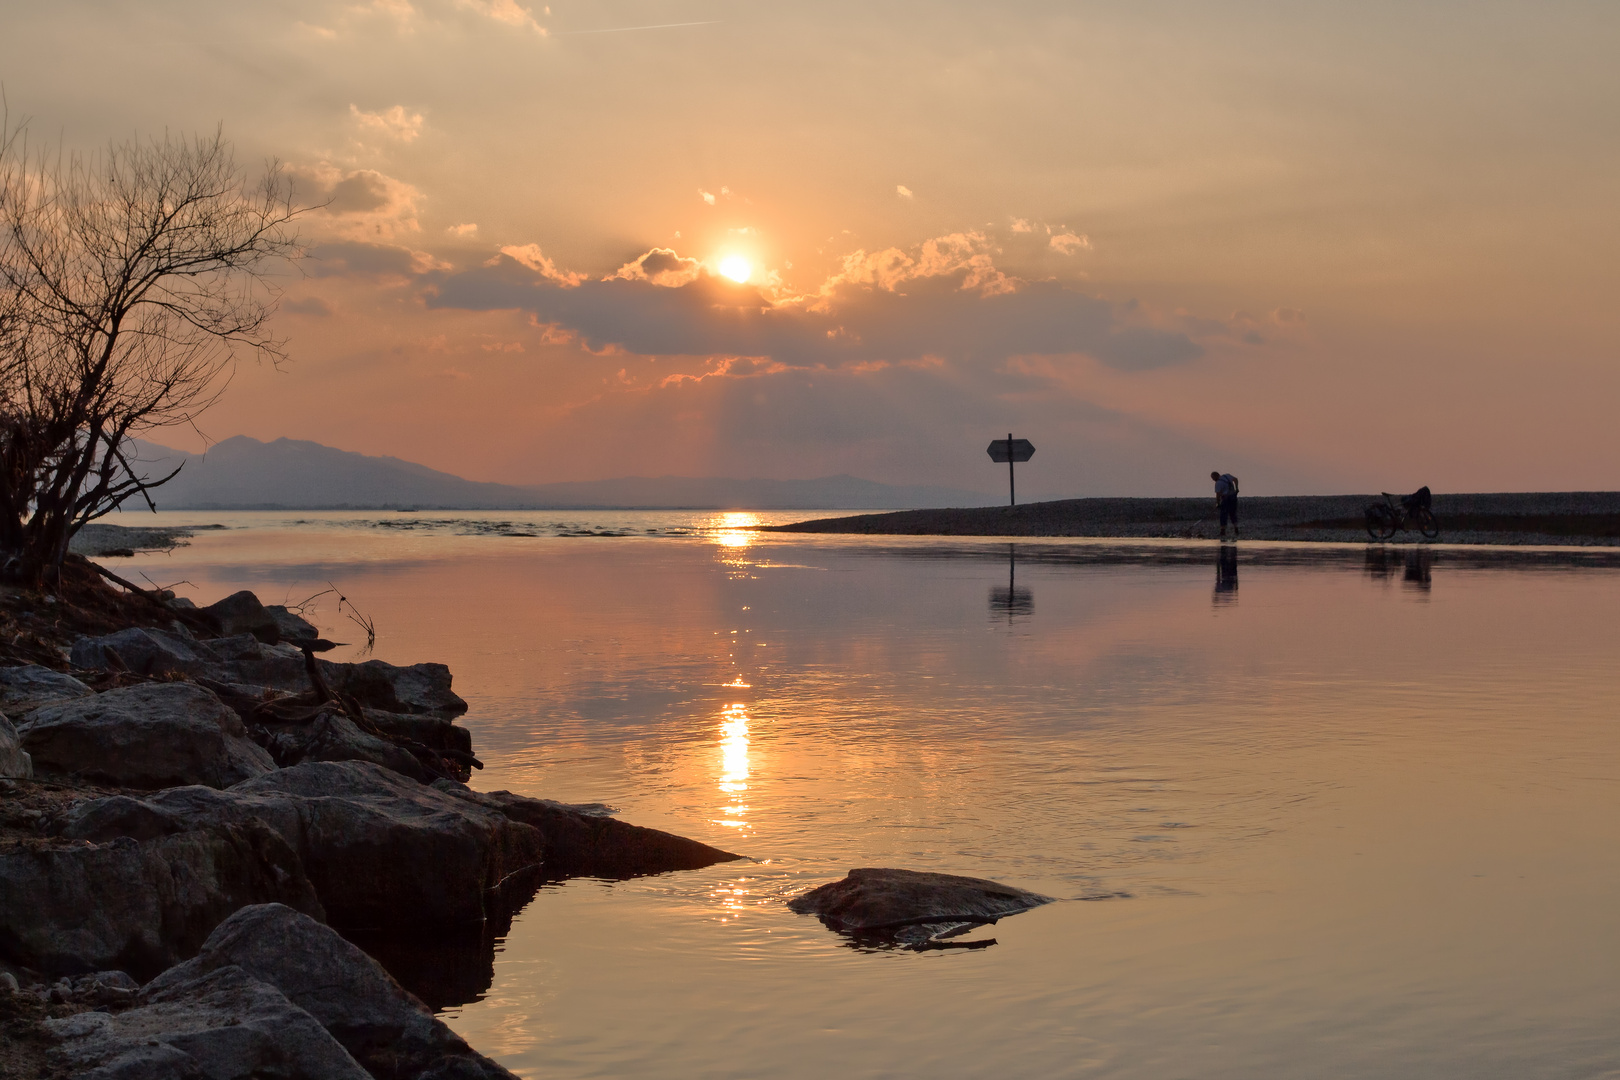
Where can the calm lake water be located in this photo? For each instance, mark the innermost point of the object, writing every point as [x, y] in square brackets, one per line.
[1312, 812]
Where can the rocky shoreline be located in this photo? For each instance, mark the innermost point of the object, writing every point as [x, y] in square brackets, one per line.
[1581, 518]
[221, 855]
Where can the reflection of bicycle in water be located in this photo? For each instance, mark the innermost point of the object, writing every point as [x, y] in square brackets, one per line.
[1410, 512]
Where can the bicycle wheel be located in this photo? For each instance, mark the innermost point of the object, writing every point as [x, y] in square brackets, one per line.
[1424, 517]
[1380, 522]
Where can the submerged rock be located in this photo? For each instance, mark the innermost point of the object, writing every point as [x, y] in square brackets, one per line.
[221, 1023]
[150, 736]
[912, 906]
[349, 994]
[586, 842]
[115, 902]
[14, 760]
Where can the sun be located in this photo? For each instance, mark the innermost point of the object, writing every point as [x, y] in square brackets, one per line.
[736, 268]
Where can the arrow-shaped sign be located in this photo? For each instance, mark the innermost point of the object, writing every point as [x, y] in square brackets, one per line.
[1011, 450]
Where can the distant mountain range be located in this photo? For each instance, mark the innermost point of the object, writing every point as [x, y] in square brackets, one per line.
[290, 474]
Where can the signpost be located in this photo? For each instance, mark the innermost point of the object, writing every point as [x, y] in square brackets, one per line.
[1011, 450]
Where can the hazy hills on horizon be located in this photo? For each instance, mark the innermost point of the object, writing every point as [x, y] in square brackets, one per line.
[243, 473]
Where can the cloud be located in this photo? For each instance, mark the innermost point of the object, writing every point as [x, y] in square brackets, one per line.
[467, 228]
[890, 268]
[504, 11]
[706, 196]
[386, 262]
[534, 259]
[1069, 243]
[394, 123]
[360, 204]
[312, 306]
[661, 266]
[903, 191]
[1021, 225]
[943, 300]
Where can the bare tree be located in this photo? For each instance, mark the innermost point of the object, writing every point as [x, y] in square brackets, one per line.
[130, 283]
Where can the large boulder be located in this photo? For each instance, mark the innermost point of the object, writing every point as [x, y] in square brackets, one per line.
[381, 850]
[74, 906]
[14, 760]
[585, 841]
[912, 906]
[417, 688]
[293, 627]
[28, 687]
[385, 1028]
[144, 651]
[242, 613]
[331, 736]
[221, 1023]
[148, 736]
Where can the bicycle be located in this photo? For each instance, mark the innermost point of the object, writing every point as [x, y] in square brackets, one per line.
[1412, 511]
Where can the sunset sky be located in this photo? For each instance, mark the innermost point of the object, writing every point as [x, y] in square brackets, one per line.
[1328, 247]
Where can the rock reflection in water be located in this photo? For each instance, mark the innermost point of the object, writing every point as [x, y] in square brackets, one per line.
[448, 966]
[1011, 602]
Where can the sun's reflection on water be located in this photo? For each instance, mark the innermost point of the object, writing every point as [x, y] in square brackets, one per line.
[734, 529]
[734, 764]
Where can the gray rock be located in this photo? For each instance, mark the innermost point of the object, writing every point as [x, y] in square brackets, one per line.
[385, 1028]
[415, 689]
[418, 688]
[145, 651]
[910, 905]
[101, 820]
[585, 842]
[242, 613]
[29, 687]
[222, 1024]
[150, 736]
[331, 736]
[138, 906]
[14, 760]
[293, 627]
[381, 850]
[433, 732]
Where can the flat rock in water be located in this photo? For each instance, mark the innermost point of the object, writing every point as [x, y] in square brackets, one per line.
[586, 842]
[912, 905]
[348, 993]
[151, 736]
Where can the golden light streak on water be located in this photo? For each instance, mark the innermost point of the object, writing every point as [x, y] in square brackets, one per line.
[734, 765]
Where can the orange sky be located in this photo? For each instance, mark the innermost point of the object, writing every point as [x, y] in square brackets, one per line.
[1326, 247]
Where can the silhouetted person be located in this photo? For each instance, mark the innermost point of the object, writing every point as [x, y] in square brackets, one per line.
[1226, 493]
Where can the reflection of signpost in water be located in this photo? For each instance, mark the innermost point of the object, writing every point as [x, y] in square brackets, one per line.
[1011, 450]
[1012, 600]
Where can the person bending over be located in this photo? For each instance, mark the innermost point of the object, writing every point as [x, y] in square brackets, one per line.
[1226, 493]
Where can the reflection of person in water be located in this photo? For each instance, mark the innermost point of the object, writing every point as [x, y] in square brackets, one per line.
[1226, 581]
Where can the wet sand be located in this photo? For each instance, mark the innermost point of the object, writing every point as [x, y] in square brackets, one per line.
[1586, 518]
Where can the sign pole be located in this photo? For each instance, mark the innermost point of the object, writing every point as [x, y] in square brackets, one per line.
[1012, 489]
